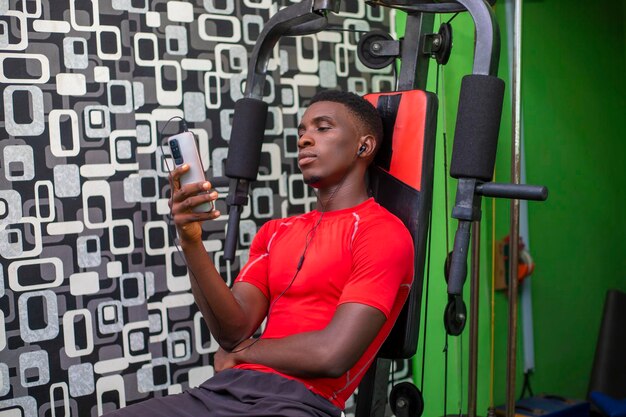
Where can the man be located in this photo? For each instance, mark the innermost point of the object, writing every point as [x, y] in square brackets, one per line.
[331, 282]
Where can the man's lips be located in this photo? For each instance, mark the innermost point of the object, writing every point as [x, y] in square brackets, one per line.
[305, 158]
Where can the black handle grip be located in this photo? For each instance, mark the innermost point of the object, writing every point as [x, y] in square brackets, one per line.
[477, 127]
[515, 191]
[246, 139]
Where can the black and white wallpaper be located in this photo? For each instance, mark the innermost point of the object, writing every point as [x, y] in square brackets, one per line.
[96, 310]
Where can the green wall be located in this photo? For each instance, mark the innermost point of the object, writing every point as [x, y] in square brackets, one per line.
[573, 102]
[573, 92]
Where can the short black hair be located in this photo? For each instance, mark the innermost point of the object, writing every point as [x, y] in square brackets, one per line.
[358, 106]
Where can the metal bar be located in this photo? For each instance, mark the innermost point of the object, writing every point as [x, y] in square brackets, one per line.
[473, 343]
[515, 210]
[526, 301]
[414, 67]
[424, 7]
[285, 22]
[487, 44]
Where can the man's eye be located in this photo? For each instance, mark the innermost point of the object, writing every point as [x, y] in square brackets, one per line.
[323, 128]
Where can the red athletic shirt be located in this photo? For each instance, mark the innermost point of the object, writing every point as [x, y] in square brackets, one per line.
[363, 254]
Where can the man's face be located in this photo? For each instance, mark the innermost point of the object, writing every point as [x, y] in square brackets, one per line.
[328, 140]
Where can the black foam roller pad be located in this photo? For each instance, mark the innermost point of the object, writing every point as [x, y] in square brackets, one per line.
[477, 126]
[608, 374]
[246, 139]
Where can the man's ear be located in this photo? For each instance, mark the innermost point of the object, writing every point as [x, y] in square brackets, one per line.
[367, 146]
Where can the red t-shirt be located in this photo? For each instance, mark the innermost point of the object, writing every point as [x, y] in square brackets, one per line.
[363, 254]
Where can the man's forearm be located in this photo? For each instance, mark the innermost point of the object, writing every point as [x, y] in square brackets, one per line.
[203, 306]
[220, 309]
[303, 355]
[326, 353]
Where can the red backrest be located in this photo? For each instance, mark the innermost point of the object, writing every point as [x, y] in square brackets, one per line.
[401, 181]
[409, 131]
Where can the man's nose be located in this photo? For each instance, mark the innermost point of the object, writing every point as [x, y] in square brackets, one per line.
[305, 140]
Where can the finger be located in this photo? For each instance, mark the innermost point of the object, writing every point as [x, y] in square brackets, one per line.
[175, 175]
[191, 217]
[182, 219]
[202, 198]
[191, 190]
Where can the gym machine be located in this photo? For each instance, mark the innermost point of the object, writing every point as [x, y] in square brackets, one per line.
[473, 155]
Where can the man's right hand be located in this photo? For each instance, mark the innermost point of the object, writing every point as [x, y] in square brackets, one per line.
[182, 202]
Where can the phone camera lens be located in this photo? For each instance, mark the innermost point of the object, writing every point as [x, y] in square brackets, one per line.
[176, 152]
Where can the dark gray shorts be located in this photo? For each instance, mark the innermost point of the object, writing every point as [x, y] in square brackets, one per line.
[235, 393]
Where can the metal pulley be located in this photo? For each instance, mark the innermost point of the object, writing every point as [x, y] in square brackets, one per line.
[455, 315]
[406, 400]
[439, 45]
[377, 49]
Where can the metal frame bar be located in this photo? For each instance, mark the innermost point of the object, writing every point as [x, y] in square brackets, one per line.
[473, 342]
[304, 18]
[414, 61]
[424, 7]
[487, 46]
[516, 145]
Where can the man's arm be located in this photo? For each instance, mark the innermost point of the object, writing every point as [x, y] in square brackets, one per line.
[327, 353]
[232, 316]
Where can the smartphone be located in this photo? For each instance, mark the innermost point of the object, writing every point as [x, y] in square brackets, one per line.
[185, 151]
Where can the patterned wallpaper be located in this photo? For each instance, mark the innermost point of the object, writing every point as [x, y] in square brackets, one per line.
[95, 304]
